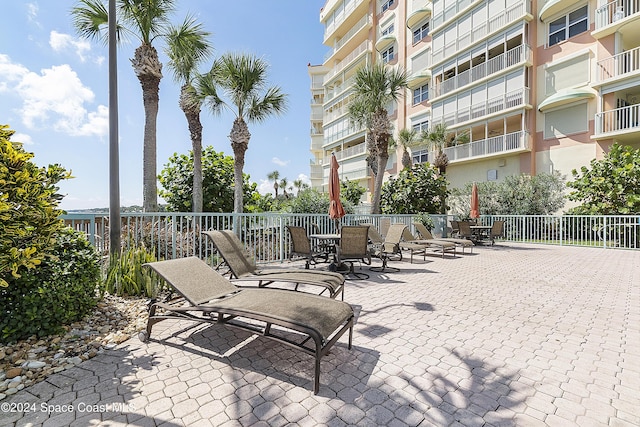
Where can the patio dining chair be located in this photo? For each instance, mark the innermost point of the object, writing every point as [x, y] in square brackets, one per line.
[497, 230]
[301, 246]
[354, 247]
[389, 249]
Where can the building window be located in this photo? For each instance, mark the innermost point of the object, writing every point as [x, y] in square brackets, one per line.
[420, 127]
[388, 30]
[568, 26]
[388, 55]
[387, 4]
[421, 33]
[420, 156]
[420, 94]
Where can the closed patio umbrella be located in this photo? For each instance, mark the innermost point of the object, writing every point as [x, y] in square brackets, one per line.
[475, 202]
[336, 211]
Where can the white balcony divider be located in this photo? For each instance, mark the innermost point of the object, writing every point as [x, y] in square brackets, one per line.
[618, 120]
[619, 65]
[177, 235]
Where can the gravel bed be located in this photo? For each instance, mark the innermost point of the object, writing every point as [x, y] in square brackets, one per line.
[115, 319]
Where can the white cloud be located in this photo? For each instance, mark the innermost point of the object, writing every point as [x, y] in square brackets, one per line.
[32, 13]
[22, 137]
[60, 42]
[279, 162]
[55, 98]
[265, 187]
[10, 73]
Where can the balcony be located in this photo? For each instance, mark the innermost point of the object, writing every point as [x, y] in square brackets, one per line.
[481, 30]
[618, 122]
[363, 24]
[356, 150]
[420, 10]
[614, 16]
[617, 67]
[342, 17]
[316, 171]
[498, 104]
[317, 139]
[497, 145]
[517, 55]
[355, 54]
[451, 11]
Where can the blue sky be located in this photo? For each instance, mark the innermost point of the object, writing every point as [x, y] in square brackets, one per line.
[54, 91]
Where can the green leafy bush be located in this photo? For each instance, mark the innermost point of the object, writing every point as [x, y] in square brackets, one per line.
[61, 290]
[29, 214]
[420, 189]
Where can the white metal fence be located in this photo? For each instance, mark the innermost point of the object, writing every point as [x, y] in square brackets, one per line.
[176, 235]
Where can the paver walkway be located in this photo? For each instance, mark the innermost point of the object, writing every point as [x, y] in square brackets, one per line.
[511, 335]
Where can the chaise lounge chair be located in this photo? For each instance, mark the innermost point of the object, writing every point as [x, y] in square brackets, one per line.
[243, 267]
[426, 235]
[410, 242]
[311, 323]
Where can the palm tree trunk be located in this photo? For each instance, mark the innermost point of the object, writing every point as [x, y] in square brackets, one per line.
[149, 71]
[377, 188]
[239, 137]
[191, 111]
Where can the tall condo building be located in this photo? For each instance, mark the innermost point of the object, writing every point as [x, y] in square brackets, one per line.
[538, 86]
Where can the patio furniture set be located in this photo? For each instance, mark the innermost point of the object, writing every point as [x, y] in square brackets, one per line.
[281, 307]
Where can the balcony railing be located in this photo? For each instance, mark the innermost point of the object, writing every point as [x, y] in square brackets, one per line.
[501, 144]
[493, 66]
[362, 48]
[481, 30]
[616, 11]
[519, 97]
[356, 150]
[619, 65]
[618, 120]
[177, 235]
[362, 23]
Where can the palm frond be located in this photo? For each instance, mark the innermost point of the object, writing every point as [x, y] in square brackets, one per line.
[187, 47]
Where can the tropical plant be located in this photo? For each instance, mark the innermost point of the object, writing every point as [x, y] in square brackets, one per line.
[187, 47]
[419, 189]
[125, 275]
[176, 179]
[242, 78]
[299, 185]
[439, 137]
[146, 20]
[610, 186]
[274, 176]
[311, 201]
[29, 214]
[406, 139]
[374, 88]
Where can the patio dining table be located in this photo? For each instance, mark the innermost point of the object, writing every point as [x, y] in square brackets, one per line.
[332, 240]
[480, 231]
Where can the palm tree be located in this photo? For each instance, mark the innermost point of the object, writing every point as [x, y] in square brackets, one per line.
[274, 176]
[439, 137]
[406, 138]
[375, 87]
[187, 47]
[242, 77]
[145, 20]
[299, 185]
[284, 182]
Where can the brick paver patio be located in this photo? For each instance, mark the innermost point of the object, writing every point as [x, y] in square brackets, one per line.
[511, 335]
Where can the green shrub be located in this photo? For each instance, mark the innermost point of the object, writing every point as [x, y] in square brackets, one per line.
[126, 276]
[61, 290]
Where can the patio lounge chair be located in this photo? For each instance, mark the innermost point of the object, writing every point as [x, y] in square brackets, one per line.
[426, 235]
[243, 267]
[308, 322]
[413, 244]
